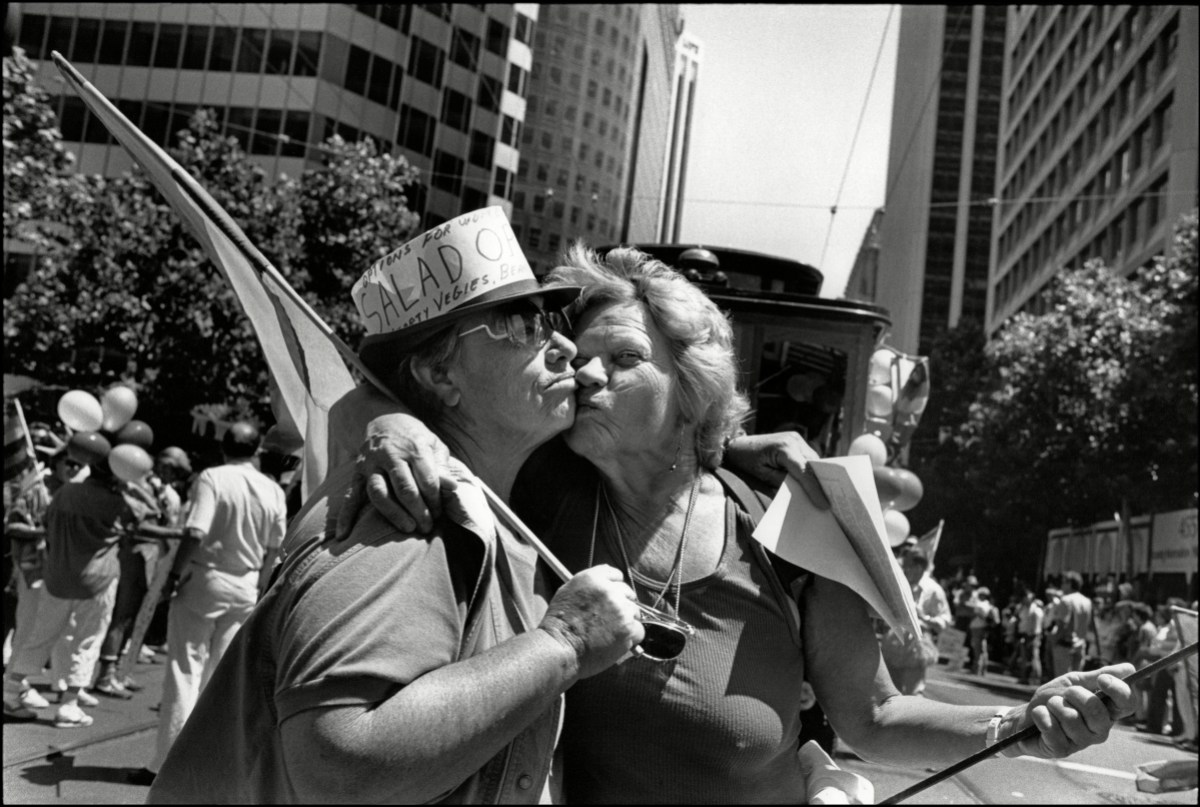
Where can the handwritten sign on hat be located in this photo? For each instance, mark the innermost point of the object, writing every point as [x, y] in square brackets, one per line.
[453, 267]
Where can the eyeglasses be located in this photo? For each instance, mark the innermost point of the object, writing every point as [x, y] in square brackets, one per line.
[665, 636]
[529, 328]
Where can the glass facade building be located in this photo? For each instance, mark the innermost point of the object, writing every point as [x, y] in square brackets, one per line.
[1099, 131]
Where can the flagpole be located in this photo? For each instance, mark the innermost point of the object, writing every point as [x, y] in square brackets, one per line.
[37, 465]
[1031, 731]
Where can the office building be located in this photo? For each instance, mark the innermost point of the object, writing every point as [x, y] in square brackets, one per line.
[933, 239]
[442, 84]
[604, 148]
[1098, 133]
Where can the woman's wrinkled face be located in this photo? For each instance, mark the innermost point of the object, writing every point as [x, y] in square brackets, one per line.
[521, 392]
[627, 385]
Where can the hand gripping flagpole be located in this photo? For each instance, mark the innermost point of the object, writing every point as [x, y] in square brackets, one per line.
[1029, 732]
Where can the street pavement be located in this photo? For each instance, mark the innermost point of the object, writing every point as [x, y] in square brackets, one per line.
[45, 765]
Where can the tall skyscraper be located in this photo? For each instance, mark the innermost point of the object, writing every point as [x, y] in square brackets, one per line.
[442, 84]
[1098, 132]
[933, 239]
[605, 141]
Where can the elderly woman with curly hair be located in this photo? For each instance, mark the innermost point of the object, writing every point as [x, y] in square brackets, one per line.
[657, 399]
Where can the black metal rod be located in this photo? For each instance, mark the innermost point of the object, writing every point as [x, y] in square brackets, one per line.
[1029, 732]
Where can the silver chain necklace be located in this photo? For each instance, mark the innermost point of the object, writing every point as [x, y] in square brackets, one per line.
[676, 572]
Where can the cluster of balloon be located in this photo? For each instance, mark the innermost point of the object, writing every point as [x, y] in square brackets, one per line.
[104, 429]
[899, 489]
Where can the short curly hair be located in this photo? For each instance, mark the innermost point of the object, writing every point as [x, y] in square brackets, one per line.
[700, 335]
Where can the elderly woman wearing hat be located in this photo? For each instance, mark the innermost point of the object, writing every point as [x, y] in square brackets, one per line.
[391, 667]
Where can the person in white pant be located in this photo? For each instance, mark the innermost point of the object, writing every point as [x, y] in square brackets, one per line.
[84, 523]
[234, 528]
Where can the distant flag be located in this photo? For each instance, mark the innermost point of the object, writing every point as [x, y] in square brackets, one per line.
[18, 456]
[928, 543]
[306, 359]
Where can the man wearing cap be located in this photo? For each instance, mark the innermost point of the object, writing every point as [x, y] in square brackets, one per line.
[389, 666]
[235, 524]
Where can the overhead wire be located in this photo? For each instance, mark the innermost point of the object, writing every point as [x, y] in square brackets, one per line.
[857, 128]
[983, 201]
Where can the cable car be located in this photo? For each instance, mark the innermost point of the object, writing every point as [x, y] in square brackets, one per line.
[804, 359]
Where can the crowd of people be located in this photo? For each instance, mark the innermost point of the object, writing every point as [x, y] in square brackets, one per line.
[413, 643]
[1035, 639]
[86, 546]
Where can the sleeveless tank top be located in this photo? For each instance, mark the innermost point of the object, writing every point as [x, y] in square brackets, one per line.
[720, 723]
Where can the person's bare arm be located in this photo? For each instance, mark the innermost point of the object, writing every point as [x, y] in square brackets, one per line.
[438, 730]
[853, 686]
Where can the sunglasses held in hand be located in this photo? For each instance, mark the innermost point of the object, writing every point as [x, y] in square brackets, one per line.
[665, 636]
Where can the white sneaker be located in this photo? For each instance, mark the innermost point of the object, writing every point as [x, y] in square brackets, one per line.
[85, 698]
[70, 716]
[33, 699]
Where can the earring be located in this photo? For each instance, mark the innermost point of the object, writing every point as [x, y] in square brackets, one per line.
[678, 448]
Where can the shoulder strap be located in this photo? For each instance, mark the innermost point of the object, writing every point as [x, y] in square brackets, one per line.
[786, 579]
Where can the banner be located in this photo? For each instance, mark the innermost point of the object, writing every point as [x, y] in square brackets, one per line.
[307, 361]
[1173, 544]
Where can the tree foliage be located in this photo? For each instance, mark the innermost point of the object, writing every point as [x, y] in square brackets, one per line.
[36, 165]
[1075, 410]
[125, 293]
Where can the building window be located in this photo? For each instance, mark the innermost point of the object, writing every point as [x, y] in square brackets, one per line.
[224, 44]
[279, 52]
[473, 198]
[112, 42]
[539, 203]
[267, 123]
[497, 38]
[456, 110]
[517, 77]
[416, 130]
[87, 37]
[524, 28]
[510, 131]
[563, 176]
[295, 131]
[250, 50]
[488, 96]
[357, 69]
[308, 53]
[543, 173]
[482, 148]
[33, 33]
[592, 87]
[447, 172]
[426, 62]
[502, 185]
[464, 48]
[554, 242]
[381, 77]
[168, 46]
[575, 212]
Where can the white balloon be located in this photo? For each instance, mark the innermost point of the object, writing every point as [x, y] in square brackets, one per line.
[879, 400]
[871, 446]
[881, 367]
[897, 526]
[119, 405]
[80, 411]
